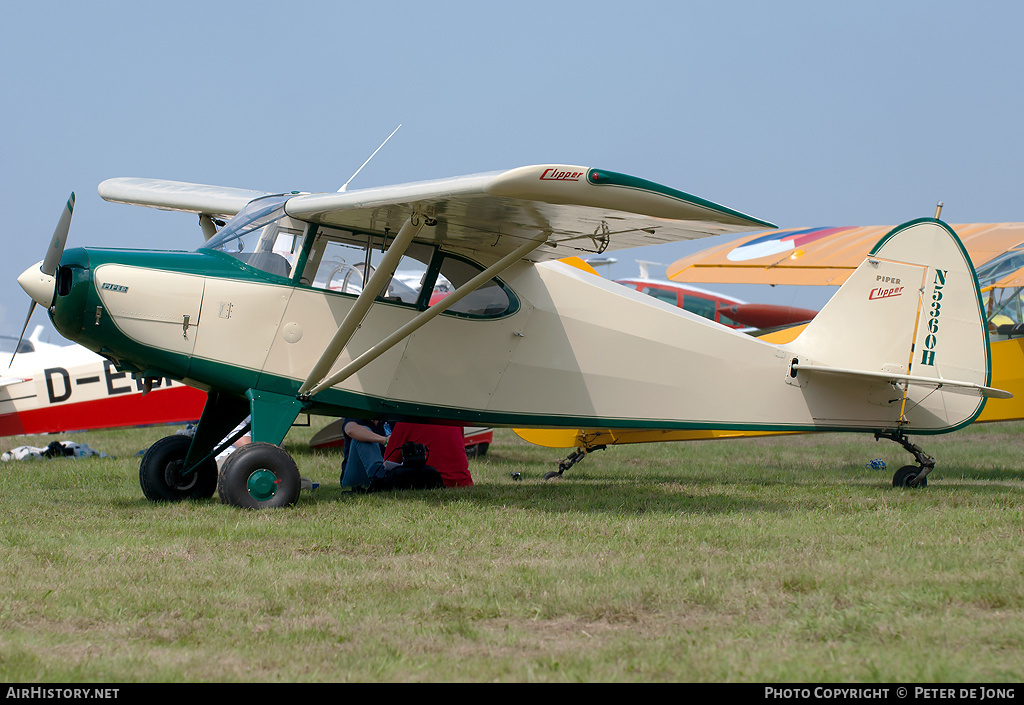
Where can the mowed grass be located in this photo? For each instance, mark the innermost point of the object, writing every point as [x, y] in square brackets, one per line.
[763, 560]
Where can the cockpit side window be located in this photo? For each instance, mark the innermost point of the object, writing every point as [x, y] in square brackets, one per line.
[342, 261]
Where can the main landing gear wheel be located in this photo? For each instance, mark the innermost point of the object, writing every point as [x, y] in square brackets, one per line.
[160, 472]
[259, 476]
[909, 476]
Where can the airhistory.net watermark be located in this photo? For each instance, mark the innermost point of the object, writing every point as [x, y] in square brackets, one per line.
[44, 693]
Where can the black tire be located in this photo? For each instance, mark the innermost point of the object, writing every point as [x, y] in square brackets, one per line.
[906, 475]
[160, 468]
[259, 476]
[478, 450]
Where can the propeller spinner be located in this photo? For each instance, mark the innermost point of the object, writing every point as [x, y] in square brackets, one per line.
[39, 280]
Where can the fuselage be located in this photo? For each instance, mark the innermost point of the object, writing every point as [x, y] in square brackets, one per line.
[565, 349]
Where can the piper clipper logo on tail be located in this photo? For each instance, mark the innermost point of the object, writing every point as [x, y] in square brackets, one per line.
[931, 340]
[885, 292]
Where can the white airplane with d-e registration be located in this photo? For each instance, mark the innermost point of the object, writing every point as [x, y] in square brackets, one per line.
[48, 388]
[263, 318]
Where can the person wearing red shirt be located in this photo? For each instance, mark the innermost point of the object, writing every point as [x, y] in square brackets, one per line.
[446, 449]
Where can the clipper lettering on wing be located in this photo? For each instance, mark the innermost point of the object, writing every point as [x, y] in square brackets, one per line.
[560, 175]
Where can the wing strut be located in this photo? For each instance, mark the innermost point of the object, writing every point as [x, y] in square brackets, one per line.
[441, 306]
[355, 316]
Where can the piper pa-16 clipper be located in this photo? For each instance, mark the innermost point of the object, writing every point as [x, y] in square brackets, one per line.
[291, 306]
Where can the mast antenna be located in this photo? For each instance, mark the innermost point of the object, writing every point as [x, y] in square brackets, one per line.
[344, 186]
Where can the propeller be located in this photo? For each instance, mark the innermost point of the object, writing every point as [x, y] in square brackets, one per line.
[39, 281]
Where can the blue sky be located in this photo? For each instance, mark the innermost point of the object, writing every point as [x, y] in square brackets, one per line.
[800, 113]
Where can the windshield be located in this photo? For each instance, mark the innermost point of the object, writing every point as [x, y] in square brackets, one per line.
[261, 235]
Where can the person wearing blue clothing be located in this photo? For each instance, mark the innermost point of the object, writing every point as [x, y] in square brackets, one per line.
[364, 451]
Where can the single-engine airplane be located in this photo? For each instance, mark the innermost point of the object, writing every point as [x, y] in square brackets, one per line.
[260, 319]
[49, 388]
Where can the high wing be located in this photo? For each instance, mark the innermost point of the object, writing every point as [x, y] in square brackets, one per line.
[166, 195]
[487, 216]
[826, 256]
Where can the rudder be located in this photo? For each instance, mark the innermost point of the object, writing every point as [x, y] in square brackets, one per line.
[912, 308]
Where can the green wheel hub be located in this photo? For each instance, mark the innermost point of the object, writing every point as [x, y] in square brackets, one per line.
[262, 485]
[259, 475]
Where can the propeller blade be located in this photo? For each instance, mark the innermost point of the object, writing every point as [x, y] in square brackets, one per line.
[60, 237]
[31, 308]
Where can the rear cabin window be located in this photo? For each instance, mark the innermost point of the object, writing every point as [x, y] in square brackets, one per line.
[491, 299]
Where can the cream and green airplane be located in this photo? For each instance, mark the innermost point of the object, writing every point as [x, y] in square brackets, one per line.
[291, 306]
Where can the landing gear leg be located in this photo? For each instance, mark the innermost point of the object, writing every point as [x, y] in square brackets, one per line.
[910, 475]
[574, 457]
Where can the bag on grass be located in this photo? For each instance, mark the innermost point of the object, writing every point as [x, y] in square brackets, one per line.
[412, 474]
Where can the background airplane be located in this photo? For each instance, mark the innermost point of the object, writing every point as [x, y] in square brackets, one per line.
[728, 310]
[50, 388]
[721, 308]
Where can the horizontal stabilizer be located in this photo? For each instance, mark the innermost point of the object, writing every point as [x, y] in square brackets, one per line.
[938, 383]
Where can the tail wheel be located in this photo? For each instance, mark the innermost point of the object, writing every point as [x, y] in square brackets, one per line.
[906, 476]
[161, 476]
[259, 476]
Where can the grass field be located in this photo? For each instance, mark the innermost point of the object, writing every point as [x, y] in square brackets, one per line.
[764, 560]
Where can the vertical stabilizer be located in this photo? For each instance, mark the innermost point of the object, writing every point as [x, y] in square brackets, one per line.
[911, 309]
